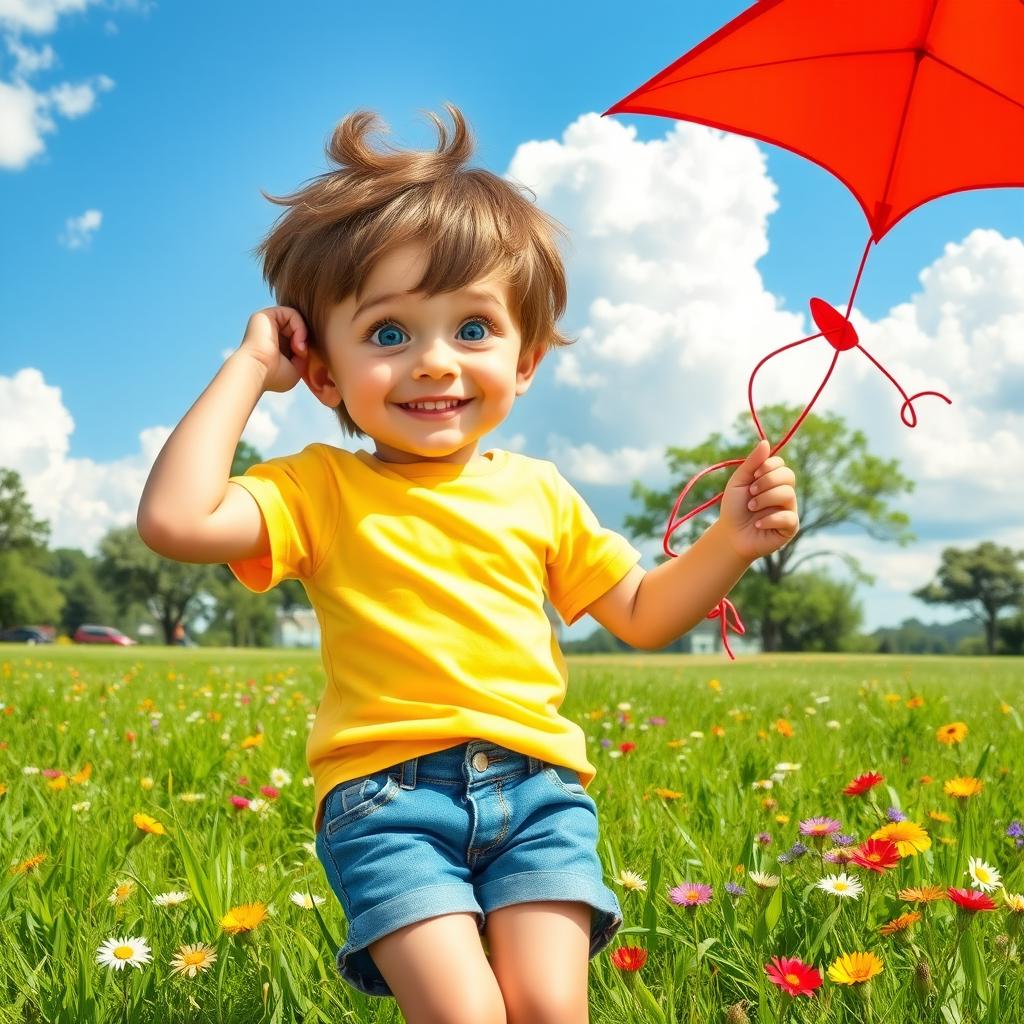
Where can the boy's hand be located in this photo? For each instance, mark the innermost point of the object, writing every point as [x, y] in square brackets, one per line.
[773, 520]
[276, 338]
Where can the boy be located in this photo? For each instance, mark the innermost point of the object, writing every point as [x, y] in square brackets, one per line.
[417, 300]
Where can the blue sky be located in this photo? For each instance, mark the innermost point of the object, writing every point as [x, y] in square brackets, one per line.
[168, 119]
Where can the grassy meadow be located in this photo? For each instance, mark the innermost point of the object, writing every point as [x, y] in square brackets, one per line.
[158, 861]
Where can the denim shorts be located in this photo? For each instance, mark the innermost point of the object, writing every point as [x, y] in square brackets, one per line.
[472, 828]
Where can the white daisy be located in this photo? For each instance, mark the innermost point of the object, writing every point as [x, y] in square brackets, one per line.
[83, 806]
[787, 766]
[117, 953]
[191, 798]
[841, 885]
[171, 899]
[763, 880]
[121, 892]
[983, 876]
[303, 899]
[279, 777]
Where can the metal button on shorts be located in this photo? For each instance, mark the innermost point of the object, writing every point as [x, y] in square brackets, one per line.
[480, 761]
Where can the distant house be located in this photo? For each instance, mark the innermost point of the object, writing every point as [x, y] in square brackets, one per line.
[297, 628]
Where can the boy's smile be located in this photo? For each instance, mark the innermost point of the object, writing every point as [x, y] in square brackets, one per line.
[388, 347]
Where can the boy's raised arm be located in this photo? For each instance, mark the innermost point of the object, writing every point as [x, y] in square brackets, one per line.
[188, 511]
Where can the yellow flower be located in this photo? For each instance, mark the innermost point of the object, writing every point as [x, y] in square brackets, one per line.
[28, 865]
[952, 733]
[146, 782]
[60, 782]
[893, 698]
[243, 918]
[192, 958]
[714, 684]
[148, 824]
[855, 968]
[632, 881]
[252, 741]
[940, 816]
[909, 837]
[1014, 901]
[82, 776]
[915, 702]
[963, 787]
[122, 892]
[667, 794]
[782, 819]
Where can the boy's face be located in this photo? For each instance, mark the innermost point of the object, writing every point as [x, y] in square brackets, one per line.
[429, 348]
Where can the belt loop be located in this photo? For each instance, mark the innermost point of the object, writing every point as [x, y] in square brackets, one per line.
[408, 773]
[536, 765]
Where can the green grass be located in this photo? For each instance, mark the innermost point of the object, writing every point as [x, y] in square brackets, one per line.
[673, 808]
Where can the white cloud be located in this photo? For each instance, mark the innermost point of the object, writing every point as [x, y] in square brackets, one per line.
[78, 231]
[26, 112]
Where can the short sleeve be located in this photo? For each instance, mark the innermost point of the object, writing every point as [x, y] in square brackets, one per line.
[294, 496]
[586, 559]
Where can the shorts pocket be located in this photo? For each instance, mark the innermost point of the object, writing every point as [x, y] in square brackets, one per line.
[356, 798]
[566, 779]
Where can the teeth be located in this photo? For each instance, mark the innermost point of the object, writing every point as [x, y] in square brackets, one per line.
[433, 405]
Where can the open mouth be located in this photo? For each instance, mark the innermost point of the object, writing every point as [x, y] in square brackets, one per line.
[436, 414]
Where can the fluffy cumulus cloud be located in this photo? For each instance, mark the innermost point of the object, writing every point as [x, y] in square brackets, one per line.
[78, 231]
[28, 108]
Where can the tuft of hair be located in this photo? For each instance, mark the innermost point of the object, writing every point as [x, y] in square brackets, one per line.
[473, 224]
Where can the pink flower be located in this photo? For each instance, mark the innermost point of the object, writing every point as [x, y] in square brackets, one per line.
[269, 791]
[240, 802]
[690, 894]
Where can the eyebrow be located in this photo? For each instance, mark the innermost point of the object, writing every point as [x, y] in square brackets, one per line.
[381, 299]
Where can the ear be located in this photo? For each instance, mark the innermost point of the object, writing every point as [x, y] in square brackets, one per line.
[527, 368]
[320, 381]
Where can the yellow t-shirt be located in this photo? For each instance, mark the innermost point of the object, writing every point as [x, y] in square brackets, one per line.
[428, 581]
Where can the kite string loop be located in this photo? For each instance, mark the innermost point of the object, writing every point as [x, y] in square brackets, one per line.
[842, 337]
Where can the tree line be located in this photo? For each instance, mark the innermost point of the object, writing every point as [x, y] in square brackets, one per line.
[786, 603]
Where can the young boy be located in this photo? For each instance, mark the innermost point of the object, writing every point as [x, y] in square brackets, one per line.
[417, 300]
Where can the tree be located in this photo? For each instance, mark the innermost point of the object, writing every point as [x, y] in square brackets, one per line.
[982, 580]
[169, 590]
[85, 600]
[19, 530]
[838, 482]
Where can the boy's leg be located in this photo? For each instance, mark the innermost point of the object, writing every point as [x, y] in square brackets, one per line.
[539, 953]
[438, 972]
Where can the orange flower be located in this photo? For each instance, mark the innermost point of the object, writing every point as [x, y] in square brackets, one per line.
[244, 918]
[901, 923]
[963, 787]
[952, 733]
[629, 958]
[252, 741]
[782, 727]
[922, 894]
[940, 816]
[28, 865]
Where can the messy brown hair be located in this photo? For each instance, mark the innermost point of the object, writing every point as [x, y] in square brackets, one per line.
[472, 222]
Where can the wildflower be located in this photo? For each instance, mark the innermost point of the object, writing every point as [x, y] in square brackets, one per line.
[690, 894]
[819, 827]
[901, 923]
[983, 876]
[1014, 901]
[28, 865]
[794, 977]
[910, 838]
[940, 816]
[171, 899]
[305, 900]
[122, 892]
[193, 958]
[787, 766]
[894, 814]
[837, 855]
[963, 787]
[763, 839]
[796, 851]
[243, 918]
[841, 885]
[252, 741]
[763, 880]
[969, 900]
[855, 968]
[862, 783]
[240, 802]
[148, 824]
[1015, 830]
[925, 894]
[270, 792]
[783, 728]
[876, 855]
[632, 881]
[629, 958]
[279, 777]
[737, 1014]
[118, 953]
[844, 840]
[952, 733]
[735, 890]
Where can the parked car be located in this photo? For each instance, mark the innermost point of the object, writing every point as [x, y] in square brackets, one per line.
[25, 635]
[87, 634]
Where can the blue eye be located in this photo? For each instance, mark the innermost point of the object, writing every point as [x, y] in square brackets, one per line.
[391, 334]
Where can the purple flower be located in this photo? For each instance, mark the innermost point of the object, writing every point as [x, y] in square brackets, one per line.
[733, 889]
[764, 838]
[657, 720]
[795, 851]
[819, 827]
[845, 840]
[690, 894]
[894, 814]
[606, 743]
[1015, 830]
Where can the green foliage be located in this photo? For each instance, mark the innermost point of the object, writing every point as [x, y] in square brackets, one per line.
[984, 580]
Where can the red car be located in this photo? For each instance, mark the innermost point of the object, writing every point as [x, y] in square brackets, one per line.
[102, 635]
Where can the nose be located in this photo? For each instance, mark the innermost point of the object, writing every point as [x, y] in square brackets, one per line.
[436, 357]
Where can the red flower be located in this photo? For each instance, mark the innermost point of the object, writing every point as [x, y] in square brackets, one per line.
[863, 783]
[876, 855]
[793, 976]
[627, 747]
[970, 900]
[270, 792]
[629, 958]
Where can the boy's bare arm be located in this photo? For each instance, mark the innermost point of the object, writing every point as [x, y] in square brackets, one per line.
[188, 511]
[674, 596]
